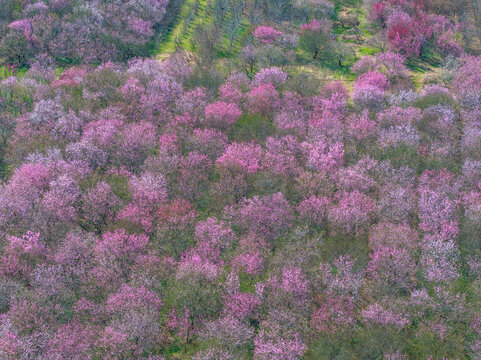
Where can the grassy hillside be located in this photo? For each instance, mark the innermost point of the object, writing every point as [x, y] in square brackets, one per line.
[192, 14]
[351, 29]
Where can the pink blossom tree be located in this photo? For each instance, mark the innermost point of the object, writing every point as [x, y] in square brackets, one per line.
[266, 34]
[352, 213]
[221, 115]
[268, 217]
[262, 98]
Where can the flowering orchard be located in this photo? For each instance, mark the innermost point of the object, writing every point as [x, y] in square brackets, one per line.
[132, 224]
[213, 208]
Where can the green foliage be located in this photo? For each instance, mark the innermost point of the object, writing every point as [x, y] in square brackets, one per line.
[342, 244]
[198, 295]
[247, 282]
[427, 344]
[327, 347]
[435, 99]
[373, 342]
[402, 155]
[251, 127]
[208, 77]
[469, 236]
[440, 162]
[303, 84]
[317, 44]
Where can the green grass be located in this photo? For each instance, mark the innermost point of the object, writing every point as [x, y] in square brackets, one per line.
[225, 50]
[366, 50]
[364, 24]
[428, 63]
[192, 14]
[4, 73]
[181, 33]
